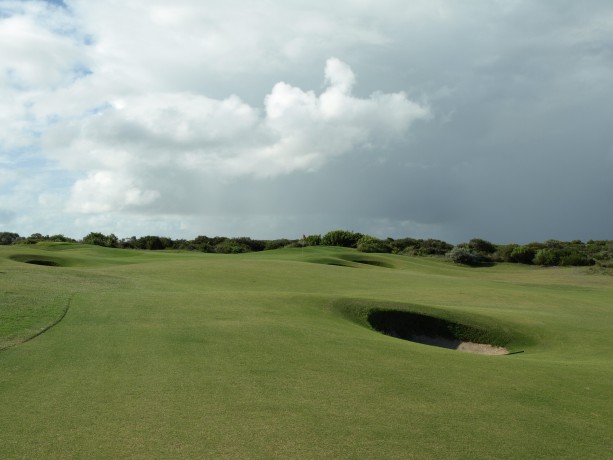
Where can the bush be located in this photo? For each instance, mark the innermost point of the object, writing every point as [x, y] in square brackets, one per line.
[546, 257]
[371, 244]
[575, 255]
[253, 245]
[464, 255]
[230, 246]
[503, 254]
[312, 240]
[522, 255]
[431, 247]
[403, 245]
[343, 238]
[276, 244]
[481, 246]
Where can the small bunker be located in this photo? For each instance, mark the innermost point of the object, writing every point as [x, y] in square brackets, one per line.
[36, 260]
[433, 331]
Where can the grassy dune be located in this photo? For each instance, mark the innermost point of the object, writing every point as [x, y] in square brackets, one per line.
[261, 355]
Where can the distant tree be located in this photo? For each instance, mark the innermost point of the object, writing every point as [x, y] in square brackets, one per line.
[150, 242]
[100, 239]
[8, 238]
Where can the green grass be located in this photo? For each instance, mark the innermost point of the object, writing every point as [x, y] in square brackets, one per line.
[266, 355]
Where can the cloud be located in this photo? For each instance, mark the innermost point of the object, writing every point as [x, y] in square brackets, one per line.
[162, 45]
[41, 52]
[105, 191]
[125, 114]
[34, 57]
[135, 143]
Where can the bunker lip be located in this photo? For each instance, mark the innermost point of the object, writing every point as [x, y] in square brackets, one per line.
[438, 332]
[36, 260]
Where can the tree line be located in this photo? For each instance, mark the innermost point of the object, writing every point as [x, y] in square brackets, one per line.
[474, 252]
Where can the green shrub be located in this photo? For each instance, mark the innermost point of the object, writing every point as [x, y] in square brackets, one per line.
[230, 246]
[481, 246]
[276, 244]
[403, 245]
[432, 247]
[343, 238]
[253, 245]
[503, 253]
[522, 255]
[575, 255]
[371, 244]
[548, 257]
[312, 240]
[465, 256]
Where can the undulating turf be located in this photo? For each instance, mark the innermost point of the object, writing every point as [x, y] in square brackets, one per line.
[268, 355]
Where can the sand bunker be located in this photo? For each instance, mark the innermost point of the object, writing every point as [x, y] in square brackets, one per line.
[432, 331]
[482, 348]
[36, 260]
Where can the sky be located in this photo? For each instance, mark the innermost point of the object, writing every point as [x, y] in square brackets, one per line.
[439, 119]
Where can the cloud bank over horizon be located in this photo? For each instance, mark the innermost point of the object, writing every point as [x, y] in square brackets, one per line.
[396, 119]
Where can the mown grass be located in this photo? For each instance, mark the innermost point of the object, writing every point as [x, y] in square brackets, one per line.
[252, 356]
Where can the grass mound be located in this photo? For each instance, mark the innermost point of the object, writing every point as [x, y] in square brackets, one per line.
[368, 260]
[349, 258]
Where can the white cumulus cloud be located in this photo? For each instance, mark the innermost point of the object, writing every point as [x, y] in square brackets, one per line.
[132, 148]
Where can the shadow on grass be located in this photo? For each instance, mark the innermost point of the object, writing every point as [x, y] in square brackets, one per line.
[38, 260]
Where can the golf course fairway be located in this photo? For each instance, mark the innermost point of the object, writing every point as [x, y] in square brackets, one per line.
[109, 353]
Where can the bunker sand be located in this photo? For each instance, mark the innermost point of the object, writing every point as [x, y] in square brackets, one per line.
[453, 344]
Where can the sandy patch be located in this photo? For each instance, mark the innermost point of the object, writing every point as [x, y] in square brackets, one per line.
[482, 348]
[453, 344]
